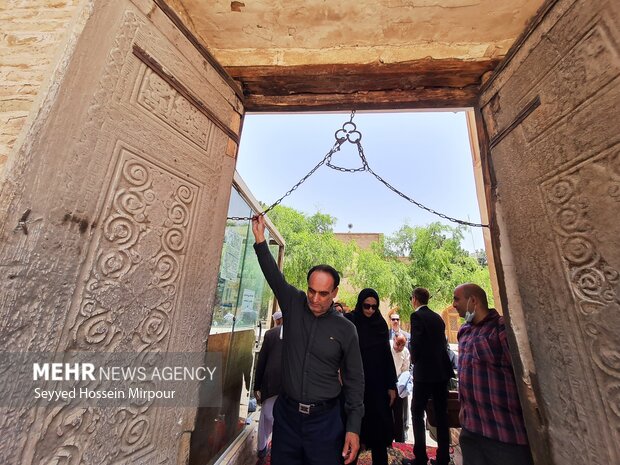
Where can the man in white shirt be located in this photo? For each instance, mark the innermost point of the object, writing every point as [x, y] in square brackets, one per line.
[402, 360]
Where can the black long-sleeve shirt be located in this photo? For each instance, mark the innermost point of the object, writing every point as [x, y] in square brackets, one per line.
[315, 348]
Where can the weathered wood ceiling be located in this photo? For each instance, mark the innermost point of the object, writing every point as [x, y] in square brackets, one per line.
[318, 54]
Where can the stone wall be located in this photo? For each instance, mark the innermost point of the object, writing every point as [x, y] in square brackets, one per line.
[353, 31]
[31, 34]
[552, 117]
[124, 170]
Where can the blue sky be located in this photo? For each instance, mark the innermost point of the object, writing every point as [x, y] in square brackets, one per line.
[426, 155]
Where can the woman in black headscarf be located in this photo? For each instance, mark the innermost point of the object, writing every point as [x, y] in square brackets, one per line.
[379, 375]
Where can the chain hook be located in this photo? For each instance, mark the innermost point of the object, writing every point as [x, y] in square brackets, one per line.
[348, 132]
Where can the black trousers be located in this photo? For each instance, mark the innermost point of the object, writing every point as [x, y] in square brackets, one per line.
[300, 439]
[439, 393]
[478, 450]
[398, 413]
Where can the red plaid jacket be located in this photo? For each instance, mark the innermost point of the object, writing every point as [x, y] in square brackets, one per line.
[487, 389]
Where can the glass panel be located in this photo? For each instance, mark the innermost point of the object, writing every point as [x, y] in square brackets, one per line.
[254, 291]
[242, 299]
[231, 266]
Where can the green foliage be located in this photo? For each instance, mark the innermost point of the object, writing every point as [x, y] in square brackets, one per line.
[427, 256]
[387, 275]
[309, 241]
[436, 261]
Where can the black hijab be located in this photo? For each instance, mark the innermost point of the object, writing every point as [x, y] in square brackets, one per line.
[373, 330]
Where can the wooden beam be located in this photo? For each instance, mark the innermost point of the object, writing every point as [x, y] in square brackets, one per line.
[281, 80]
[435, 97]
[426, 83]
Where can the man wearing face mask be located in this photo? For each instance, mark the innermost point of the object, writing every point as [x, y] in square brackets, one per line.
[493, 429]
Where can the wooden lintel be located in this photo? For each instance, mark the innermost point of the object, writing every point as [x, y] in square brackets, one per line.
[422, 66]
[436, 97]
[354, 78]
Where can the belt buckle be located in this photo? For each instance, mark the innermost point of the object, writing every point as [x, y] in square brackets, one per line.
[304, 408]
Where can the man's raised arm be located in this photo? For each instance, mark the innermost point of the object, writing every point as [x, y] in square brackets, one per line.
[282, 290]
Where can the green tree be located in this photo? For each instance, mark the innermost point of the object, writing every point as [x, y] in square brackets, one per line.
[309, 241]
[428, 256]
[373, 268]
[436, 261]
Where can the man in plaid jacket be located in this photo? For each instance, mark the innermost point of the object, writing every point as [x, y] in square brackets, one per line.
[493, 430]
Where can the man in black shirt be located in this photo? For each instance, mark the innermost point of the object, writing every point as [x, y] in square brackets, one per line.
[320, 348]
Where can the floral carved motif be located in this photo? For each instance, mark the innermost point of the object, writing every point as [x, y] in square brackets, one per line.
[127, 305]
[574, 198]
[134, 280]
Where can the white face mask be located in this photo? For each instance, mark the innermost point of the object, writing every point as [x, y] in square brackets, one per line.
[469, 316]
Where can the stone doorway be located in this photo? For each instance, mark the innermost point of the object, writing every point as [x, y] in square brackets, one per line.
[546, 124]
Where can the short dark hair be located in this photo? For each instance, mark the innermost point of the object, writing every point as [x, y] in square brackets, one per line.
[326, 269]
[421, 294]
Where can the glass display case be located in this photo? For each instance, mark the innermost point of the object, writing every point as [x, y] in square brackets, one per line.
[242, 310]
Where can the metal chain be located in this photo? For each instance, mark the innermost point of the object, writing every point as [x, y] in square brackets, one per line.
[424, 207]
[349, 133]
[334, 149]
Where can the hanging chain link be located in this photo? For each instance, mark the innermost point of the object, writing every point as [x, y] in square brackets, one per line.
[349, 133]
[334, 149]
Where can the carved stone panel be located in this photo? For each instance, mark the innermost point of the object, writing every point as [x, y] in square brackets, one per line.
[579, 202]
[127, 304]
[127, 181]
[556, 167]
[161, 100]
[137, 259]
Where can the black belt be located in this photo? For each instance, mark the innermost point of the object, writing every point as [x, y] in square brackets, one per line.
[310, 407]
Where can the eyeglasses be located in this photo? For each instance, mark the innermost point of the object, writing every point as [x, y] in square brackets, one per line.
[395, 319]
[369, 306]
